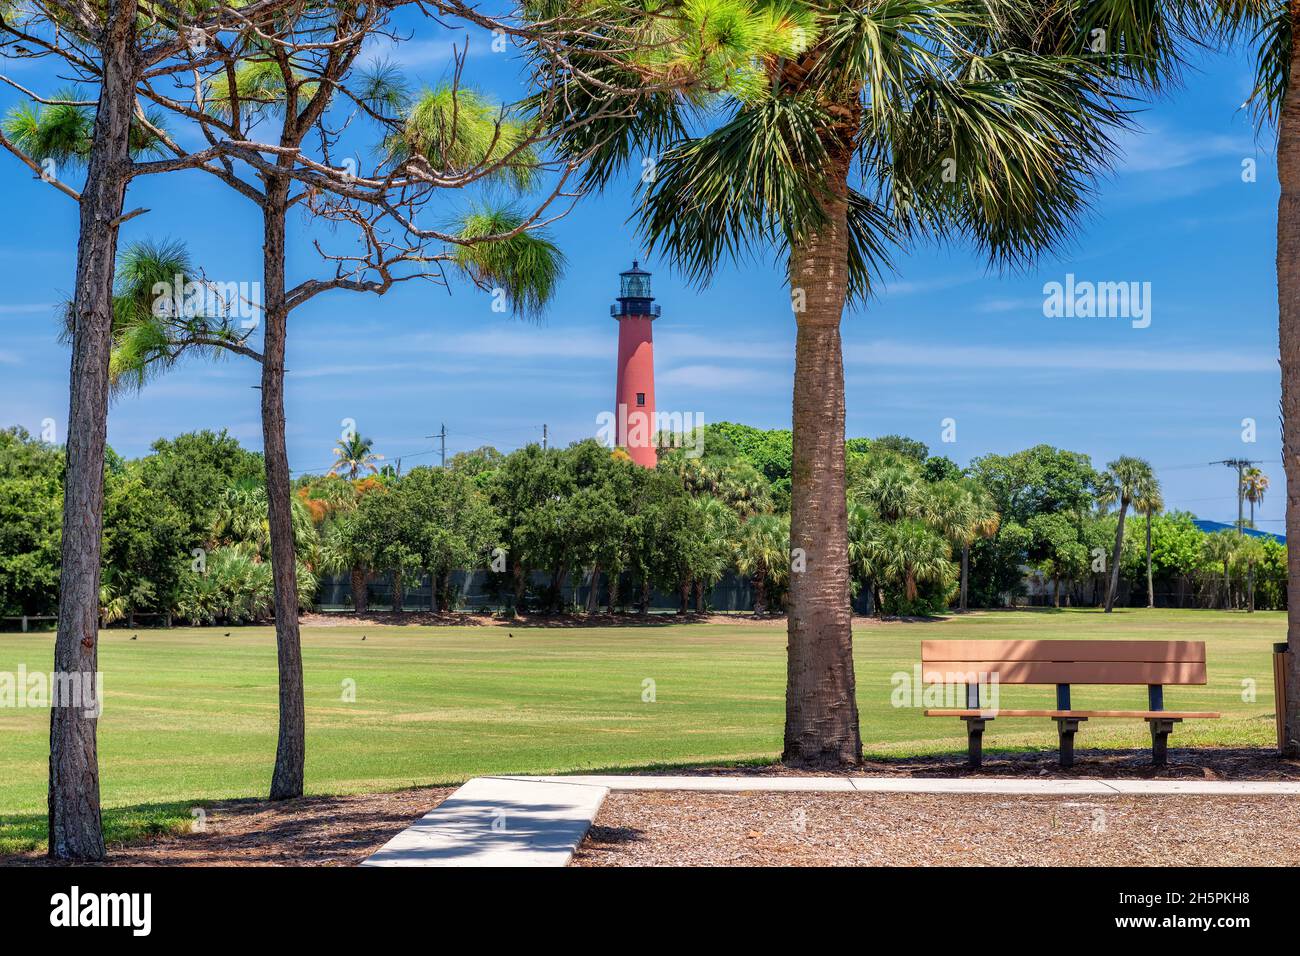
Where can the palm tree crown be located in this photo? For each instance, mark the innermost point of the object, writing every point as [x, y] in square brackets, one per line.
[353, 456]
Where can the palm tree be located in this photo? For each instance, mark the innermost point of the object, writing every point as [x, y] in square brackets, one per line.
[1254, 485]
[763, 554]
[1125, 479]
[864, 549]
[963, 512]
[1250, 551]
[909, 554]
[962, 119]
[352, 456]
[1217, 549]
[1148, 502]
[719, 527]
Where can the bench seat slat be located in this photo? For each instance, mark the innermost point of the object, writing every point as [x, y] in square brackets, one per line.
[1067, 672]
[1054, 650]
[1171, 714]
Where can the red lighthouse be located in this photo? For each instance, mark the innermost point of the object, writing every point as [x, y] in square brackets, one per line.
[634, 390]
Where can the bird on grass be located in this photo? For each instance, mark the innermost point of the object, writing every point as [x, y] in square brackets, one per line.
[134, 636]
[227, 634]
[363, 637]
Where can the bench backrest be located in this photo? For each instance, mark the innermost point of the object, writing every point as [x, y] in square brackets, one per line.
[1067, 662]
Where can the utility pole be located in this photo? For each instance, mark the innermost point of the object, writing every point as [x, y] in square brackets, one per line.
[1241, 464]
[545, 436]
[442, 439]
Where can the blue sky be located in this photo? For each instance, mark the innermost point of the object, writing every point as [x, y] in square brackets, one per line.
[946, 339]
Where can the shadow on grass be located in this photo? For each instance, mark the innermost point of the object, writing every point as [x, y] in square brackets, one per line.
[25, 833]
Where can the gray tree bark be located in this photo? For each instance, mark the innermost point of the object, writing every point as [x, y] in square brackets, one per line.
[291, 747]
[75, 831]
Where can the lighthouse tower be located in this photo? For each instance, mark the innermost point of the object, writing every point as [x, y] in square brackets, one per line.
[634, 389]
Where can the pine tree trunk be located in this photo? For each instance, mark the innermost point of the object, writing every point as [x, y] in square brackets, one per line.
[1112, 580]
[821, 708]
[290, 751]
[75, 830]
[359, 601]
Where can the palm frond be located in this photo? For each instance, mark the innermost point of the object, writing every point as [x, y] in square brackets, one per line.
[754, 180]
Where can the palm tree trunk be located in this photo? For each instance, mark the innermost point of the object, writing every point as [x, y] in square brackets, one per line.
[1112, 582]
[359, 600]
[760, 592]
[290, 751]
[1250, 570]
[1288, 299]
[699, 597]
[75, 830]
[684, 596]
[1151, 590]
[645, 595]
[821, 708]
[397, 591]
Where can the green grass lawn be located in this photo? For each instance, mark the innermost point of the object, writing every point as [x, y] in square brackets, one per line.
[190, 715]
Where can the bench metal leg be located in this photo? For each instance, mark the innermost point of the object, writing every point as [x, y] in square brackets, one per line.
[1161, 728]
[975, 740]
[1066, 728]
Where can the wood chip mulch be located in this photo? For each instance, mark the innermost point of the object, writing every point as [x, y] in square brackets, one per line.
[648, 828]
[1191, 763]
[311, 831]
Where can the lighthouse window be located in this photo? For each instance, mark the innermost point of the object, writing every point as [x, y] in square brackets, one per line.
[640, 398]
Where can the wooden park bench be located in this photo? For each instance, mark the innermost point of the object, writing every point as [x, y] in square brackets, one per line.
[1064, 663]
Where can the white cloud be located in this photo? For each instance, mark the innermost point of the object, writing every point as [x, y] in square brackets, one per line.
[719, 377]
[1159, 150]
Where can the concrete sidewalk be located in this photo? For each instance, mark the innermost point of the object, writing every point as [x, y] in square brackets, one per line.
[539, 821]
[496, 821]
[971, 784]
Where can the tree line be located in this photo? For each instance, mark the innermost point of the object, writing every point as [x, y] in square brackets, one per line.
[186, 537]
